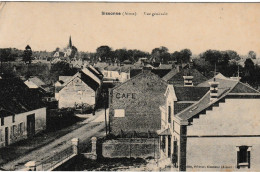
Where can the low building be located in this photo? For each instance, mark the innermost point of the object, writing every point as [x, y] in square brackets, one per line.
[218, 130]
[134, 104]
[160, 72]
[79, 90]
[117, 73]
[21, 111]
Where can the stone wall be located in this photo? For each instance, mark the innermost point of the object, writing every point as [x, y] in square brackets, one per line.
[134, 147]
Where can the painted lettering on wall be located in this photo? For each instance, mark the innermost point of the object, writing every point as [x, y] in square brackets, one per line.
[126, 95]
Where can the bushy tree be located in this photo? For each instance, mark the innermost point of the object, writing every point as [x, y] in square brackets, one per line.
[252, 55]
[103, 52]
[160, 55]
[27, 55]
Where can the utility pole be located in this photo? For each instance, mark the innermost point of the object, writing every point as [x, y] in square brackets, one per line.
[104, 97]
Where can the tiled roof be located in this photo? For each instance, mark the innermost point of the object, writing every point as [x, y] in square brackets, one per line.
[16, 97]
[178, 106]
[170, 74]
[226, 87]
[190, 93]
[159, 72]
[177, 78]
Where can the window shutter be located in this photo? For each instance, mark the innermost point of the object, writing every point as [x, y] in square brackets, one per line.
[238, 159]
[169, 114]
[12, 132]
[248, 158]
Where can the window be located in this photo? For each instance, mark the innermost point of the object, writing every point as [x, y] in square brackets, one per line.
[2, 121]
[13, 118]
[169, 114]
[119, 113]
[20, 128]
[1, 135]
[243, 156]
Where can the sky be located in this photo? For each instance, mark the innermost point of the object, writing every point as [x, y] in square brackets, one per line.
[196, 26]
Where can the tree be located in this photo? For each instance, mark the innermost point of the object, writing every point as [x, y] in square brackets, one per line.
[27, 55]
[252, 55]
[103, 52]
[160, 55]
[233, 55]
[185, 55]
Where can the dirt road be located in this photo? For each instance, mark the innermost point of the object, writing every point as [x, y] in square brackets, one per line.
[93, 126]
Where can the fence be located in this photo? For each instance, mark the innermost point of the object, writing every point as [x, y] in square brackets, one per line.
[51, 162]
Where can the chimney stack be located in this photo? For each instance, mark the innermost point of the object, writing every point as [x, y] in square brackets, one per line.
[213, 90]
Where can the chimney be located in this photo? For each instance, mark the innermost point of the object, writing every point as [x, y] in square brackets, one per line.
[213, 90]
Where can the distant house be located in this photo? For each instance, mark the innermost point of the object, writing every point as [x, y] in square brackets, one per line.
[215, 125]
[134, 104]
[82, 89]
[160, 72]
[21, 111]
[119, 73]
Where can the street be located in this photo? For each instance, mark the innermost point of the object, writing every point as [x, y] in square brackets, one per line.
[92, 126]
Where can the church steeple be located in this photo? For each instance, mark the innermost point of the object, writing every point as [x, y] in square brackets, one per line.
[70, 43]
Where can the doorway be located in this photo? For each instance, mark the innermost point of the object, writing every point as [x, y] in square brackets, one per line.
[30, 125]
[6, 136]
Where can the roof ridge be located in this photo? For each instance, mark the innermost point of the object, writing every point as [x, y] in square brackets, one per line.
[136, 76]
[247, 85]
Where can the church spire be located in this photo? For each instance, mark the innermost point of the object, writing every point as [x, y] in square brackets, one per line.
[70, 43]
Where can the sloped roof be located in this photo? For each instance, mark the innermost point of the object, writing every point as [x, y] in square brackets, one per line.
[165, 132]
[87, 72]
[226, 87]
[179, 106]
[143, 73]
[165, 66]
[36, 81]
[159, 72]
[124, 68]
[85, 78]
[64, 78]
[177, 78]
[16, 97]
[101, 65]
[170, 74]
[190, 93]
[95, 71]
